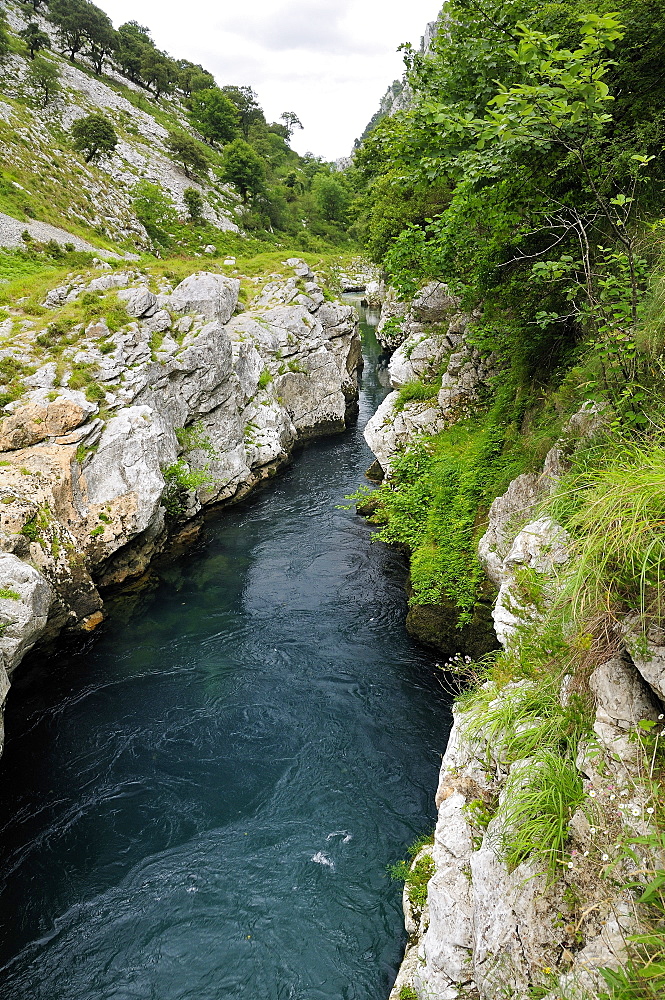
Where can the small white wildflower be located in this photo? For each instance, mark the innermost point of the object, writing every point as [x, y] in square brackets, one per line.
[650, 810]
[606, 857]
[661, 716]
[612, 797]
[592, 795]
[624, 791]
[570, 864]
[592, 829]
[586, 854]
[635, 812]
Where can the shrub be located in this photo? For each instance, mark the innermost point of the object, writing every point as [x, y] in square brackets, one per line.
[94, 136]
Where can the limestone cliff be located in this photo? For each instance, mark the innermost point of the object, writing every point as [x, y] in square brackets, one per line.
[119, 436]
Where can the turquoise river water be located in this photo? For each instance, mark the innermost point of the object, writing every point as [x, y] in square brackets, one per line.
[201, 804]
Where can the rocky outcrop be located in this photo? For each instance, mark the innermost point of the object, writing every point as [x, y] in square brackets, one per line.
[188, 403]
[429, 339]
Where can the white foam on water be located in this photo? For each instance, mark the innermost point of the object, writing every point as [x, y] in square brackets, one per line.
[323, 859]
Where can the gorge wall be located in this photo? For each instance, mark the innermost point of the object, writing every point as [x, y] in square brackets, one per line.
[498, 921]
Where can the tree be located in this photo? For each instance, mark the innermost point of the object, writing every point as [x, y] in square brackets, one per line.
[35, 38]
[291, 121]
[215, 116]
[331, 198]
[192, 77]
[245, 101]
[244, 168]
[5, 47]
[158, 70]
[70, 18]
[133, 42]
[189, 152]
[44, 79]
[194, 201]
[94, 136]
[102, 38]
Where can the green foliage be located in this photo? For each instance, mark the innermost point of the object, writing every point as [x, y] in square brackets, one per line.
[188, 152]
[518, 109]
[94, 136]
[613, 503]
[155, 211]
[265, 378]
[331, 197]
[417, 390]
[194, 201]
[215, 115]
[439, 489]
[416, 876]
[43, 78]
[540, 799]
[179, 481]
[34, 38]
[32, 530]
[242, 167]
[8, 594]
[194, 437]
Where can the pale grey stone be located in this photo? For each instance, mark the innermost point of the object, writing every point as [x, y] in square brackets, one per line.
[24, 618]
[212, 295]
[138, 301]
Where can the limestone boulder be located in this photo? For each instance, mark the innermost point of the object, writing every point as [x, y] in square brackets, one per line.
[135, 446]
[648, 655]
[392, 429]
[623, 700]
[214, 296]
[417, 358]
[542, 546]
[25, 602]
[507, 515]
[434, 303]
[138, 301]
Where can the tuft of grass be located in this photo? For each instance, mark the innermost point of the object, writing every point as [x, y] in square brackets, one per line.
[540, 799]
[418, 390]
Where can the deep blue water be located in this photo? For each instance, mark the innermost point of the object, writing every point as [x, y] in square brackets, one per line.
[202, 803]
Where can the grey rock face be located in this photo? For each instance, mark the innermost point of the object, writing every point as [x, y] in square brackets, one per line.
[23, 615]
[542, 546]
[623, 700]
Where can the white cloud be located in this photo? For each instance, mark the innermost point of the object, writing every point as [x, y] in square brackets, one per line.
[330, 61]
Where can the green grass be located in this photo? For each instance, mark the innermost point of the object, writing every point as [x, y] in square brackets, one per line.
[417, 390]
[539, 801]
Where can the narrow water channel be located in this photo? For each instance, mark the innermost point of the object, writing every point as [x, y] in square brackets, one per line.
[201, 805]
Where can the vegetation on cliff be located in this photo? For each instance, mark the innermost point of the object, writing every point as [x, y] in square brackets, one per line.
[528, 176]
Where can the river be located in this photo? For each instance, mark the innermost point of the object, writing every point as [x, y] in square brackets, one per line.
[201, 804]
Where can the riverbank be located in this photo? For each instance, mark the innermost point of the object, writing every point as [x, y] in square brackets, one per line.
[550, 793]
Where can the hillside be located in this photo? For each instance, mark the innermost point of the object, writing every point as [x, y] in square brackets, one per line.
[132, 199]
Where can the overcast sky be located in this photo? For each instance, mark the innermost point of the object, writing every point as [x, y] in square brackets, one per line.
[330, 61]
